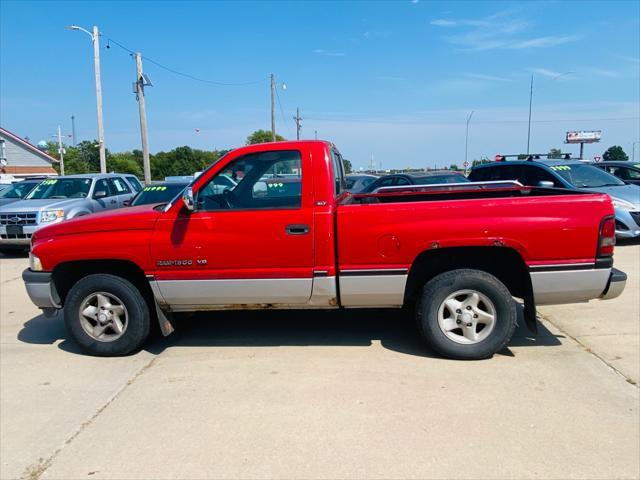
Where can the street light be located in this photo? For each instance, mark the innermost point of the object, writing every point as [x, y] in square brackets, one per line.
[95, 39]
[466, 143]
[531, 103]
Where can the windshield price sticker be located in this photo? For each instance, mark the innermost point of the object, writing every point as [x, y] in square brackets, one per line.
[561, 167]
[155, 189]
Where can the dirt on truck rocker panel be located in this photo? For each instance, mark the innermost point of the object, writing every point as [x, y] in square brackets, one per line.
[272, 226]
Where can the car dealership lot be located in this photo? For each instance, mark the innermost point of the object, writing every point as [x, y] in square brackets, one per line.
[322, 395]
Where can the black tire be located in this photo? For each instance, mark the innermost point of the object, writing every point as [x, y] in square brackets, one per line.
[138, 322]
[437, 290]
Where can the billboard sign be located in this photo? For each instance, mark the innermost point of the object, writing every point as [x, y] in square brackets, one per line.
[584, 136]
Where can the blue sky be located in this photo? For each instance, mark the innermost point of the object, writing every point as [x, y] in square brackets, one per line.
[395, 80]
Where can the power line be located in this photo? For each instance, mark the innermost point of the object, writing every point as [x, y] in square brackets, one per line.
[177, 72]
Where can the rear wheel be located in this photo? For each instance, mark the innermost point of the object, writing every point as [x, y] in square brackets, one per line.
[106, 315]
[466, 314]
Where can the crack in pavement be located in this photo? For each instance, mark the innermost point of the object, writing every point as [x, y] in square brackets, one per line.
[590, 350]
[36, 470]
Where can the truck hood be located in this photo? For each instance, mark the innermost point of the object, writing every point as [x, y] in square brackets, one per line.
[41, 204]
[127, 218]
[628, 193]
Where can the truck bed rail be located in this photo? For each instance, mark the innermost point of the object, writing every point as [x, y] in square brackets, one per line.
[450, 186]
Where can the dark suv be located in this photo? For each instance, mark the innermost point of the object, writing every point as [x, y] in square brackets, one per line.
[570, 174]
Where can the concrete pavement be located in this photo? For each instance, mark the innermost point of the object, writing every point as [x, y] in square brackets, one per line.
[320, 395]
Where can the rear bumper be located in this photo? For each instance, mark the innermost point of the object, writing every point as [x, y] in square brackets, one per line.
[557, 285]
[617, 282]
[41, 289]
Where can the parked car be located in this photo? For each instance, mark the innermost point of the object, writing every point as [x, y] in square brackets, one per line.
[628, 172]
[358, 182]
[309, 246]
[18, 190]
[422, 178]
[571, 175]
[158, 193]
[59, 198]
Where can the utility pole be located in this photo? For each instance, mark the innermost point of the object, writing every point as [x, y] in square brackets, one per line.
[466, 142]
[530, 102]
[60, 150]
[73, 130]
[95, 39]
[139, 91]
[273, 107]
[96, 62]
[298, 119]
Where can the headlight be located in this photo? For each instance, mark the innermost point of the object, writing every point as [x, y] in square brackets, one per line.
[623, 205]
[34, 263]
[51, 215]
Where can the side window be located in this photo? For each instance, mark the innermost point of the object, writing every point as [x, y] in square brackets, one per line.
[102, 186]
[135, 183]
[402, 181]
[267, 180]
[506, 172]
[534, 175]
[385, 182]
[632, 174]
[119, 186]
[338, 172]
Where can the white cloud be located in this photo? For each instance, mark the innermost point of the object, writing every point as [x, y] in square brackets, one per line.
[548, 41]
[498, 31]
[491, 78]
[327, 53]
[440, 22]
[546, 72]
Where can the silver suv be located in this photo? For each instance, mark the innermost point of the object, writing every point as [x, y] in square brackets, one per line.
[59, 198]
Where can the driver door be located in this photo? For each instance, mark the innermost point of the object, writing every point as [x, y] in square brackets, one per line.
[245, 244]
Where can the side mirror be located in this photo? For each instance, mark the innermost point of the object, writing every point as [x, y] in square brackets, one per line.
[126, 203]
[187, 199]
[99, 194]
[545, 184]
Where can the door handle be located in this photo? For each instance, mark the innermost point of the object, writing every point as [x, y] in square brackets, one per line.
[297, 229]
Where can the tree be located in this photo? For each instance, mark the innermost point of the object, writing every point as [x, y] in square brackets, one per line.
[262, 136]
[125, 162]
[614, 153]
[555, 153]
[348, 168]
[453, 166]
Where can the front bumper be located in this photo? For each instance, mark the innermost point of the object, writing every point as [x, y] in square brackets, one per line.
[41, 289]
[22, 239]
[627, 224]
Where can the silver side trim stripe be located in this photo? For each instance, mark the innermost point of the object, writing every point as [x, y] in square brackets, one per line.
[562, 266]
[374, 271]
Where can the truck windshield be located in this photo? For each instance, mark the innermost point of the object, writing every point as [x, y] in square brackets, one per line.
[586, 176]
[18, 190]
[61, 188]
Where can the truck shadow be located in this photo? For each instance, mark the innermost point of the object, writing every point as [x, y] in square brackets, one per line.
[394, 329]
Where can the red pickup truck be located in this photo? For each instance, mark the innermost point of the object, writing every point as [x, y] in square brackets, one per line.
[287, 235]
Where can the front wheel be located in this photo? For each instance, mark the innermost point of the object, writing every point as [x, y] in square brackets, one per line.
[106, 315]
[466, 314]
